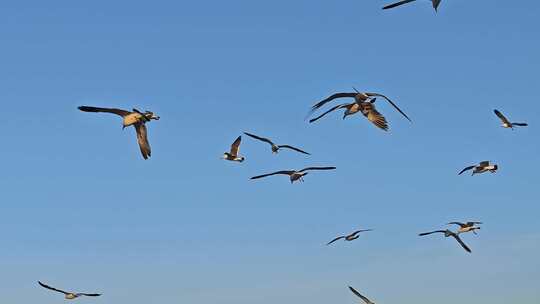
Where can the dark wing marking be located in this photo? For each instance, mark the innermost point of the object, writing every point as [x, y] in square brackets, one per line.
[391, 102]
[397, 4]
[104, 110]
[285, 172]
[520, 124]
[461, 242]
[331, 110]
[90, 294]
[317, 168]
[436, 4]
[432, 232]
[330, 98]
[338, 238]
[360, 296]
[457, 223]
[359, 231]
[52, 288]
[142, 139]
[501, 117]
[466, 169]
[377, 119]
[484, 163]
[259, 138]
[235, 147]
[470, 224]
[293, 148]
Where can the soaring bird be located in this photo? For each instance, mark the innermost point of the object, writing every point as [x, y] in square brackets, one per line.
[69, 295]
[295, 175]
[482, 167]
[364, 103]
[466, 227]
[136, 118]
[366, 300]
[448, 233]
[275, 148]
[351, 237]
[507, 123]
[235, 149]
[434, 2]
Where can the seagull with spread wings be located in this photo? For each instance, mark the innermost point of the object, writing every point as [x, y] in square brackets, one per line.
[506, 123]
[448, 233]
[293, 174]
[366, 300]
[69, 295]
[135, 118]
[482, 167]
[466, 227]
[434, 2]
[275, 148]
[233, 155]
[351, 237]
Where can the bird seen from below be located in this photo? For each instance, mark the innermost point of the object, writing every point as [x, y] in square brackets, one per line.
[448, 233]
[482, 167]
[351, 237]
[69, 295]
[233, 154]
[466, 227]
[366, 300]
[275, 148]
[435, 4]
[506, 123]
[295, 175]
[135, 118]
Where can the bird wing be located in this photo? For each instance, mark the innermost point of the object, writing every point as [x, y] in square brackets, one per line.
[520, 124]
[391, 102]
[484, 163]
[397, 4]
[457, 223]
[338, 238]
[436, 4]
[89, 294]
[259, 138]
[235, 147]
[470, 224]
[142, 139]
[344, 105]
[52, 288]
[359, 295]
[377, 119]
[317, 168]
[330, 98]
[432, 232]
[105, 110]
[501, 117]
[466, 169]
[362, 230]
[293, 148]
[285, 172]
[461, 242]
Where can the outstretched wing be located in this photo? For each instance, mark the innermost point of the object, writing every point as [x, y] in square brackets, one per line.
[89, 294]
[397, 4]
[289, 172]
[360, 296]
[432, 232]
[259, 138]
[104, 110]
[461, 242]
[466, 169]
[235, 147]
[293, 148]
[501, 117]
[317, 168]
[391, 102]
[377, 119]
[344, 105]
[457, 223]
[338, 238]
[359, 231]
[52, 288]
[330, 98]
[142, 139]
[520, 124]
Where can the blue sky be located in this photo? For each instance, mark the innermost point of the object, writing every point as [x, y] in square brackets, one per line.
[81, 210]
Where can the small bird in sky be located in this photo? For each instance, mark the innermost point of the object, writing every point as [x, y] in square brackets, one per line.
[448, 233]
[351, 237]
[466, 227]
[235, 149]
[506, 123]
[69, 295]
[434, 2]
[275, 148]
[135, 118]
[293, 174]
[482, 167]
[366, 300]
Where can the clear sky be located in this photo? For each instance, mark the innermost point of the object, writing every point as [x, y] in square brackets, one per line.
[82, 211]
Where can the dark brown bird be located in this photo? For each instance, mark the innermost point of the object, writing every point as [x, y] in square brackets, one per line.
[482, 167]
[275, 148]
[351, 237]
[293, 174]
[507, 123]
[366, 300]
[435, 4]
[69, 295]
[448, 233]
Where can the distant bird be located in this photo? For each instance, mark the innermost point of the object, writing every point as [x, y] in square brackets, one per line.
[275, 148]
[466, 227]
[235, 149]
[351, 237]
[448, 233]
[366, 300]
[364, 103]
[434, 2]
[136, 118]
[482, 167]
[507, 123]
[69, 295]
[295, 175]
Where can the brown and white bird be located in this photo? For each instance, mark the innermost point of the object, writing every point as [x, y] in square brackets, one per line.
[434, 2]
[293, 174]
[466, 227]
[448, 233]
[69, 295]
[482, 167]
[275, 148]
[364, 103]
[351, 237]
[233, 155]
[506, 123]
[135, 118]
[366, 300]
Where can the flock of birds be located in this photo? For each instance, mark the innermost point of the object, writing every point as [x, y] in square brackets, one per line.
[363, 102]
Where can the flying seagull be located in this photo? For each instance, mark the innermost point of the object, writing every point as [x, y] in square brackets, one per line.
[233, 154]
[295, 175]
[366, 300]
[482, 167]
[434, 2]
[507, 123]
[466, 227]
[448, 233]
[275, 148]
[136, 118]
[69, 295]
[351, 237]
